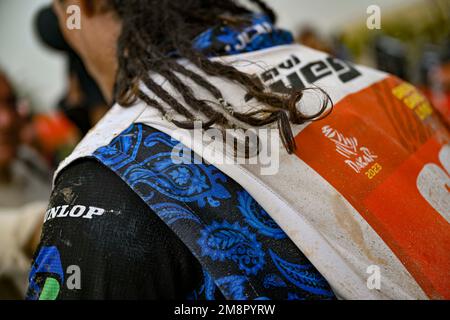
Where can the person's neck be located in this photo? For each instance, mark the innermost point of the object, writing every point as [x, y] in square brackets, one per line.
[5, 175]
[104, 66]
[106, 78]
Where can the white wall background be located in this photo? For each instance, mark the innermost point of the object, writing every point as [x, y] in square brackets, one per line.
[39, 73]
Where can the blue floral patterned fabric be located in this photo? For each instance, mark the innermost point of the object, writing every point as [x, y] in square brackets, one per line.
[259, 33]
[245, 255]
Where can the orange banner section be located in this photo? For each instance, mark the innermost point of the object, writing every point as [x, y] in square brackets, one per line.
[380, 149]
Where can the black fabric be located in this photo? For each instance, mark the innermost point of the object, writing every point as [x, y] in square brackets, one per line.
[128, 252]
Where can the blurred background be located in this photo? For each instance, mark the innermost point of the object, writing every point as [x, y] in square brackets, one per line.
[48, 101]
[415, 30]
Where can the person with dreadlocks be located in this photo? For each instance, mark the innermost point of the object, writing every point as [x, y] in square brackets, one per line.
[358, 205]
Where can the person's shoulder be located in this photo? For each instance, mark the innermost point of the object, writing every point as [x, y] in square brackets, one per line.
[96, 221]
[90, 198]
[88, 193]
[87, 173]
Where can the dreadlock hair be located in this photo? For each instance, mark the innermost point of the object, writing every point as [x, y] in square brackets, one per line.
[151, 29]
